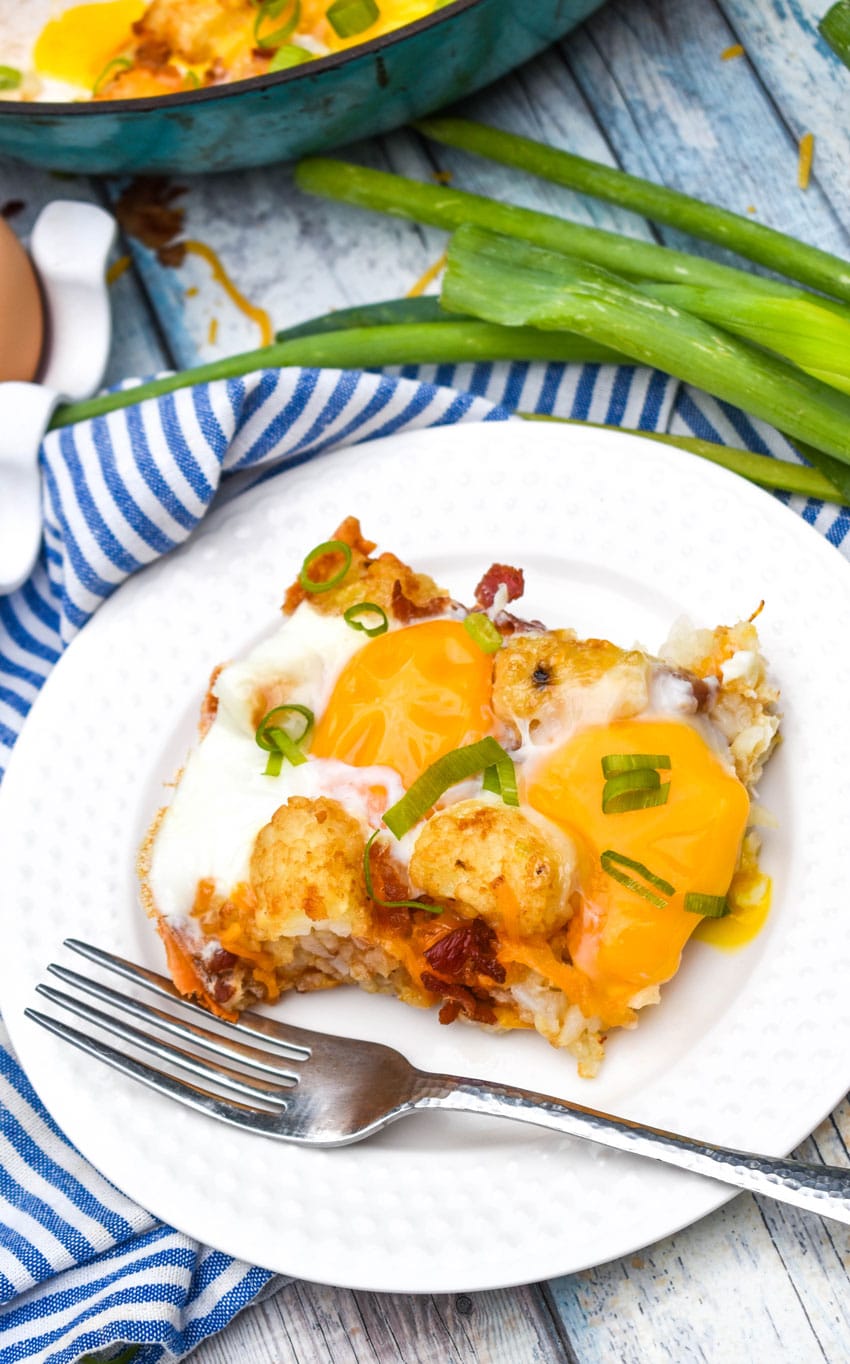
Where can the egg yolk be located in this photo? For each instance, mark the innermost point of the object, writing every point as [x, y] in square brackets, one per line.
[619, 940]
[76, 46]
[407, 698]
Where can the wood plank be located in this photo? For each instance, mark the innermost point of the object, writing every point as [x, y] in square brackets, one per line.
[675, 112]
[138, 347]
[806, 80]
[308, 1322]
[755, 1280]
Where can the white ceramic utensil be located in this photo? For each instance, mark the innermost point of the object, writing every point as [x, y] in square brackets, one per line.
[69, 248]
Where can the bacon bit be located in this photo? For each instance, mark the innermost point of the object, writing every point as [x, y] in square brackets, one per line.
[221, 960]
[499, 575]
[153, 50]
[209, 705]
[443, 177]
[186, 974]
[117, 269]
[476, 1004]
[350, 533]
[389, 884]
[508, 624]
[216, 73]
[406, 610]
[807, 152]
[469, 950]
[146, 210]
[729, 53]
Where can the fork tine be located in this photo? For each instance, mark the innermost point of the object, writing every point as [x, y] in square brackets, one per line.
[229, 1111]
[293, 1040]
[195, 1065]
[263, 1061]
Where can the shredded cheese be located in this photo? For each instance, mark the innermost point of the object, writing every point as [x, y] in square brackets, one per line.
[220, 275]
[117, 268]
[804, 168]
[416, 290]
[730, 53]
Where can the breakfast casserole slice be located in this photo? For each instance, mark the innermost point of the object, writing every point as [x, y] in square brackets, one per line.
[459, 807]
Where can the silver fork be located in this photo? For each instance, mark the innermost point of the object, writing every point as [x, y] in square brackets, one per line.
[318, 1090]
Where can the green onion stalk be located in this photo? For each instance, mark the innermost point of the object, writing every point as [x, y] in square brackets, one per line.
[448, 208]
[511, 283]
[390, 312]
[814, 338]
[835, 28]
[383, 345]
[361, 348]
[765, 245]
[829, 481]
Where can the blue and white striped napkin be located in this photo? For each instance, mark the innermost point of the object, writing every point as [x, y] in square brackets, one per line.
[83, 1269]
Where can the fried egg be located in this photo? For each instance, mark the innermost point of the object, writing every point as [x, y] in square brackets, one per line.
[554, 907]
[130, 49]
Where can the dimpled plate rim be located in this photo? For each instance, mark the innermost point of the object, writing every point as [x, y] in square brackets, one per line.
[434, 1206]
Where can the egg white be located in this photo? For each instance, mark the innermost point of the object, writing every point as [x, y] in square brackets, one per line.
[224, 798]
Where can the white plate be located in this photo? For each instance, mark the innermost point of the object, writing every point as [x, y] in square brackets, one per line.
[618, 537]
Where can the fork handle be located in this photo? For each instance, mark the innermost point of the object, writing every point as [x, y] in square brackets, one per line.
[823, 1189]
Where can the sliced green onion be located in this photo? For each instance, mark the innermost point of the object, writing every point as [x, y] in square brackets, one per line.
[327, 547]
[613, 763]
[634, 798]
[192, 79]
[289, 55]
[347, 18]
[275, 741]
[389, 904]
[639, 779]
[483, 632]
[613, 861]
[10, 78]
[709, 906]
[287, 748]
[117, 64]
[270, 9]
[448, 771]
[503, 780]
[367, 608]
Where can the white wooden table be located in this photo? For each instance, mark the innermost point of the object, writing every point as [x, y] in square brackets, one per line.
[643, 85]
